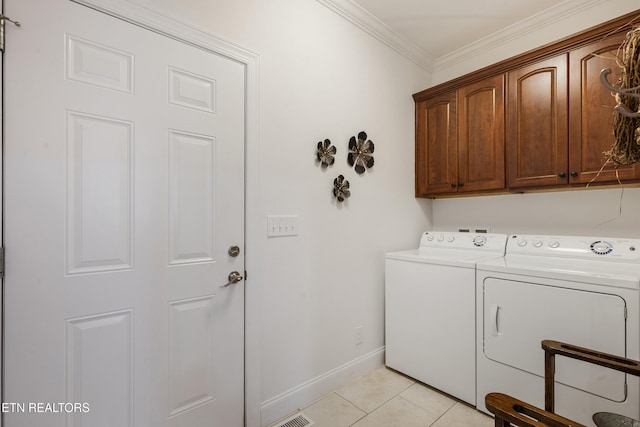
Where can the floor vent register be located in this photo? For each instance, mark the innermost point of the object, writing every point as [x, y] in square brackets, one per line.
[297, 420]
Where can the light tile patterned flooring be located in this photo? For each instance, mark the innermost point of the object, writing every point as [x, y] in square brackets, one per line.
[385, 398]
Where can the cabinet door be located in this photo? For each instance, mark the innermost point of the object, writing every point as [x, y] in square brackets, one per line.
[481, 135]
[591, 114]
[436, 145]
[537, 134]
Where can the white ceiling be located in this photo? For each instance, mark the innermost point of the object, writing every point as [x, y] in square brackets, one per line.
[437, 27]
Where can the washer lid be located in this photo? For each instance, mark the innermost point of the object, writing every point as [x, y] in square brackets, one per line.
[454, 258]
[617, 274]
[454, 248]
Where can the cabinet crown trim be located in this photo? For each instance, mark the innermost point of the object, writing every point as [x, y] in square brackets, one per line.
[599, 32]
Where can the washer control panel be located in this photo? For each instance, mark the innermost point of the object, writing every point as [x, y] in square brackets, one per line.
[612, 248]
[462, 240]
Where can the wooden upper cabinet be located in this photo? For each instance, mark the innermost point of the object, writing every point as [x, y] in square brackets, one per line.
[591, 114]
[537, 126]
[460, 140]
[436, 145]
[481, 135]
[540, 120]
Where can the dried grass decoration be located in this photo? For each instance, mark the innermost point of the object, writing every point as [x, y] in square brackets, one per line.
[626, 119]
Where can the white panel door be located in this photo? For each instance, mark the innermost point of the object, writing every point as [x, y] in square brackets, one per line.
[124, 177]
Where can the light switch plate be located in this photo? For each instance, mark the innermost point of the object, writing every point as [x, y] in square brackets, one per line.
[282, 225]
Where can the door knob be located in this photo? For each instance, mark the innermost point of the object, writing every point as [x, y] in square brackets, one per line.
[234, 277]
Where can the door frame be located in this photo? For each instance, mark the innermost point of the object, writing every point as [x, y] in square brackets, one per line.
[2, 221]
[182, 32]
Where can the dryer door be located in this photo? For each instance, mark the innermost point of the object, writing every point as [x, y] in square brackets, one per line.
[518, 316]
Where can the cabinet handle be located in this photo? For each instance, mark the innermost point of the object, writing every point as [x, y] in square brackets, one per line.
[461, 184]
[574, 174]
[453, 185]
[562, 175]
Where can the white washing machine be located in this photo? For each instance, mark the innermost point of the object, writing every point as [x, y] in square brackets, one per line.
[581, 290]
[430, 309]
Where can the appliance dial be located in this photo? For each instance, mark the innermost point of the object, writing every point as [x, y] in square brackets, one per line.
[601, 247]
[430, 237]
[479, 240]
[537, 243]
[522, 243]
[554, 244]
[450, 239]
[440, 238]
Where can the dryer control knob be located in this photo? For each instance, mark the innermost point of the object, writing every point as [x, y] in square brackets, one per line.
[537, 243]
[554, 244]
[430, 237]
[522, 243]
[440, 238]
[450, 239]
[601, 247]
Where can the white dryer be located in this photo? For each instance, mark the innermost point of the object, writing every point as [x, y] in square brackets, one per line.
[581, 290]
[430, 309]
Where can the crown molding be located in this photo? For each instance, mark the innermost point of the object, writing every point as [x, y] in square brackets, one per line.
[378, 29]
[361, 18]
[518, 30]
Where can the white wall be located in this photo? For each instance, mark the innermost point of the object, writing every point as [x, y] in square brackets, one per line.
[320, 78]
[583, 212]
[592, 212]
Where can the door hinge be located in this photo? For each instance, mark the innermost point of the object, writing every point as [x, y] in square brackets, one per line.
[3, 20]
[1, 262]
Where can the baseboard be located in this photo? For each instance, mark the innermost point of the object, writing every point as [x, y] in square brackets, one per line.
[302, 395]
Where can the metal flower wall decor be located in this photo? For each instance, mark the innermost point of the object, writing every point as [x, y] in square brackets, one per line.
[360, 156]
[360, 153]
[325, 153]
[341, 188]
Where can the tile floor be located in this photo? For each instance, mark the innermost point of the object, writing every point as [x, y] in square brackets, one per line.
[385, 398]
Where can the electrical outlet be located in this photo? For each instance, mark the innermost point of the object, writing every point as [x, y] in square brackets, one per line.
[359, 335]
[481, 229]
[474, 229]
[282, 225]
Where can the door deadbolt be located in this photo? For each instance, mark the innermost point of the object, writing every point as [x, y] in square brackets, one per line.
[234, 251]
